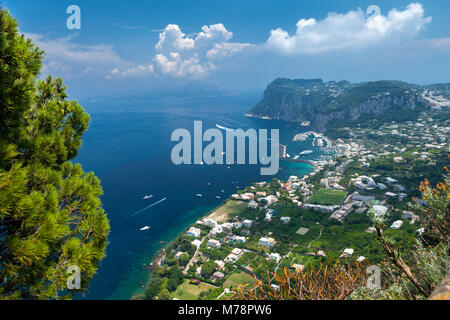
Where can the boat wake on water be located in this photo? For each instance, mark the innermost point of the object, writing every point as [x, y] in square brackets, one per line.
[146, 208]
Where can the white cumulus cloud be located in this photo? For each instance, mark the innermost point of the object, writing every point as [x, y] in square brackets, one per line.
[179, 55]
[355, 29]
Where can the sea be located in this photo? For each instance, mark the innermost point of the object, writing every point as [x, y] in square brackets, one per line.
[128, 146]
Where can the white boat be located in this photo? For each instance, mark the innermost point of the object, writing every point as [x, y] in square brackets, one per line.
[303, 153]
[144, 228]
[217, 197]
[199, 195]
[147, 197]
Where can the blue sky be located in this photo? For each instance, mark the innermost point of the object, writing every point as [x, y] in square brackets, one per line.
[243, 45]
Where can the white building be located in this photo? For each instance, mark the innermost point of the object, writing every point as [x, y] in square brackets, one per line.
[379, 210]
[220, 264]
[238, 252]
[267, 242]
[213, 243]
[347, 253]
[285, 219]
[227, 227]
[397, 224]
[275, 257]
[210, 222]
[361, 259]
[196, 243]
[247, 223]
[248, 196]
[194, 232]
[216, 230]
[270, 199]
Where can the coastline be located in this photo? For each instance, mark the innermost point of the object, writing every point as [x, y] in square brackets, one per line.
[157, 258]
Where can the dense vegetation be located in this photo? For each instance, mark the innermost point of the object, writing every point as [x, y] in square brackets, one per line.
[340, 104]
[408, 271]
[51, 218]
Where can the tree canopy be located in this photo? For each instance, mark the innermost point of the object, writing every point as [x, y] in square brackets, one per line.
[51, 215]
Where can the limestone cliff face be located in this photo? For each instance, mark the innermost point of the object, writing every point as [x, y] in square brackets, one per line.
[320, 103]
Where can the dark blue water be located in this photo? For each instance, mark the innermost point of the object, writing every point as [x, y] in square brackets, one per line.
[130, 153]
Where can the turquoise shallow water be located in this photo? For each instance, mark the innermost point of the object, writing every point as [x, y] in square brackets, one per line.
[130, 153]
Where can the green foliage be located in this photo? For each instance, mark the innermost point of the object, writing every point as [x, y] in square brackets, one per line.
[51, 216]
[208, 269]
[175, 278]
[328, 197]
[20, 63]
[415, 272]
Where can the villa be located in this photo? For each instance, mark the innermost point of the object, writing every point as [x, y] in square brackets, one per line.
[238, 252]
[220, 264]
[267, 242]
[210, 222]
[275, 257]
[194, 232]
[247, 223]
[196, 243]
[347, 253]
[213, 243]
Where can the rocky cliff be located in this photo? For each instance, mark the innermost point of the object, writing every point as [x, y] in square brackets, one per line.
[318, 102]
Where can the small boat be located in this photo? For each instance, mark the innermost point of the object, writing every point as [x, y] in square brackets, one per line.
[305, 152]
[144, 228]
[217, 197]
[147, 197]
[199, 195]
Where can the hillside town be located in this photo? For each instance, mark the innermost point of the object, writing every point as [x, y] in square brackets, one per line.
[319, 217]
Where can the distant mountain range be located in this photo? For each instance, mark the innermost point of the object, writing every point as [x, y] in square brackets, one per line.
[317, 102]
